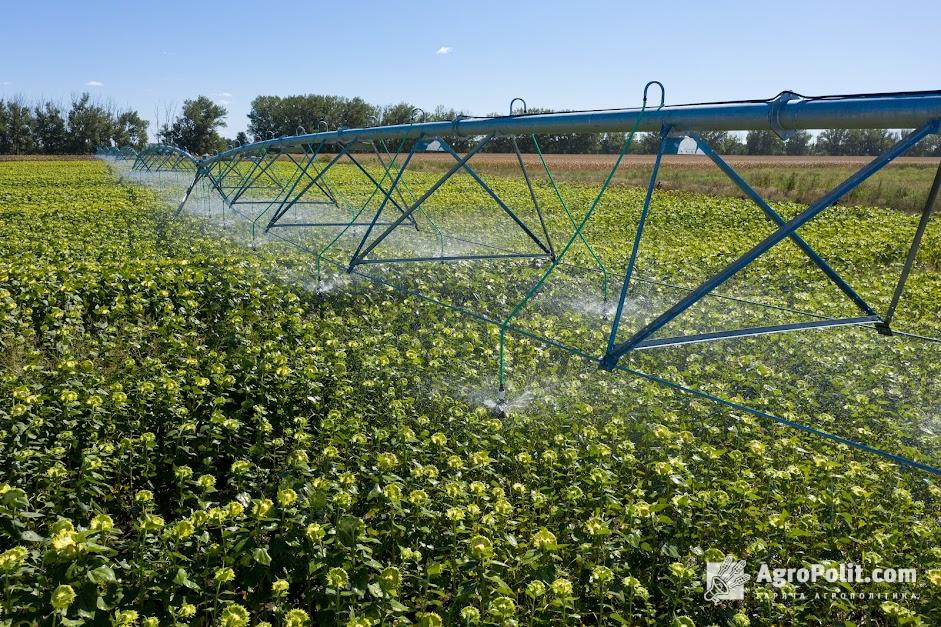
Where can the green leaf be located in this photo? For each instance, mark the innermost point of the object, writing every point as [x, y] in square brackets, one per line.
[102, 575]
[261, 556]
[182, 579]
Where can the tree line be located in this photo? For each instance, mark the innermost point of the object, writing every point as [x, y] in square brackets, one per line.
[48, 128]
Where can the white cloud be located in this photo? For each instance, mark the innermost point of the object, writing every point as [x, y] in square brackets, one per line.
[5, 83]
[225, 94]
[444, 50]
[224, 103]
[95, 84]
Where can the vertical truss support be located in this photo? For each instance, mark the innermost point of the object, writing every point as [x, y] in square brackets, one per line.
[386, 196]
[532, 195]
[638, 236]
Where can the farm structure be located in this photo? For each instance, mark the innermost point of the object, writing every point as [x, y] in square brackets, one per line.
[348, 197]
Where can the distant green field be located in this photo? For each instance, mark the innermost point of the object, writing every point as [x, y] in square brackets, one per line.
[903, 185]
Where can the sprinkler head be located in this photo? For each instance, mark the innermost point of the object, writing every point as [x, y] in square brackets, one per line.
[501, 409]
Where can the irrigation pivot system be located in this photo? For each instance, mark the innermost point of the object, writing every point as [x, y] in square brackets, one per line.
[287, 183]
[164, 158]
[116, 153]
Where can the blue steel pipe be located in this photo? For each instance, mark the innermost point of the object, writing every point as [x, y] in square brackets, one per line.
[901, 111]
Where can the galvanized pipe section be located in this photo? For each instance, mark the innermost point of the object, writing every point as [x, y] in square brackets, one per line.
[903, 111]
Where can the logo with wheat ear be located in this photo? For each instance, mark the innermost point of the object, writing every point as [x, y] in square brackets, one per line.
[725, 581]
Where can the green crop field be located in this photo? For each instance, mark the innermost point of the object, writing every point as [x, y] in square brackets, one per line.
[191, 433]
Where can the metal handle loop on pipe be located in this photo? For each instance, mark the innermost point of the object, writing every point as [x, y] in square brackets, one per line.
[322, 126]
[424, 116]
[663, 93]
[514, 101]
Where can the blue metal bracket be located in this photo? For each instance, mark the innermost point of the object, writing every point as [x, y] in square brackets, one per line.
[774, 114]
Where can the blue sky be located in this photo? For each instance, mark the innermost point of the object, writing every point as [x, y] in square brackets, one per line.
[474, 55]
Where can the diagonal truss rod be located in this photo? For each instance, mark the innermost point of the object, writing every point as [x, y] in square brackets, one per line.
[532, 195]
[386, 196]
[379, 187]
[254, 174]
[325, 191]
[756, 331]
[287, 204]
[612, 356]
[496, 198]
[361, 252]
[303, 171]
[883, 326]
[773, 215]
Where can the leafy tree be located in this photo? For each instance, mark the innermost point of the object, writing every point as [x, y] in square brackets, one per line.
[90, 126]
[869, 141]
[241, 138]
[196, 129]
[843, 141]
[731, 144]
[357, 113]
[933, 146]
[17, 137]
[798, 144]
[277, 116]
[714, 138]
[646, 143]
[43, 127]
[928, 147]
[130, 129]
[763, 143]
[49, 129]
[832, 141]
[399, 113]
[724, 142]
